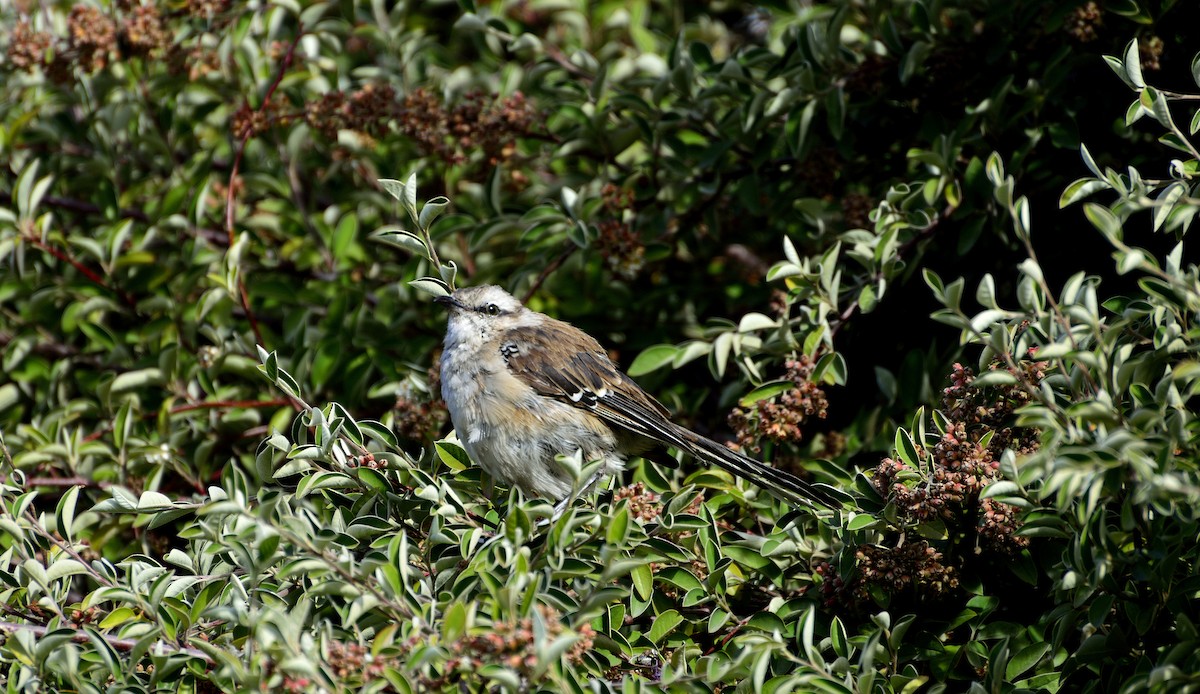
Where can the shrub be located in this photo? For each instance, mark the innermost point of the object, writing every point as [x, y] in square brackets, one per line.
[223, 461]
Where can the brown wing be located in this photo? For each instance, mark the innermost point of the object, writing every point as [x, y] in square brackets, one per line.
[560, 361]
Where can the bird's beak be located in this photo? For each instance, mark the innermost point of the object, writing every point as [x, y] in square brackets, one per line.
[448, 301]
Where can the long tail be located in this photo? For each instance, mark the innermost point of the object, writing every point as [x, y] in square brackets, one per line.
[637, 417]
[777, 482]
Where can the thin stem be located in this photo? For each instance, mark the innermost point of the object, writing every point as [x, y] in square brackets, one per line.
[87, 272]
[243, 295]
[81, 636]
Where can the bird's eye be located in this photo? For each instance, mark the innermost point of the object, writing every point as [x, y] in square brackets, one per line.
[492, 309]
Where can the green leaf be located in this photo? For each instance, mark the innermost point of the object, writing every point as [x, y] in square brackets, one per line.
[643, 581]
[765, 391]
[1024, 659]
[393, 187]
[431, 286]
[64, 513]
[379, 431]
[133, 380]
[652, 358]
[995, 377]
[1103, 220]
[1080, 189]
[410, 196]
[431, 210]
[1133, 64]
[64, 567]
[664, 624]
[454, 622]
[862, 521]
[154, 501]
[395, 236]
[618, 527]
[756, 321]
[907, 449]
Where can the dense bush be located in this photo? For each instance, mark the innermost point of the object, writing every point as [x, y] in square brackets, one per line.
[223, 463]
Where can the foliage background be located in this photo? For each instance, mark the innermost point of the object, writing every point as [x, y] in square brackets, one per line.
[764, 199]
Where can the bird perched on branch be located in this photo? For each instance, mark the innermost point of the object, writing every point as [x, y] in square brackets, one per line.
[523, 387]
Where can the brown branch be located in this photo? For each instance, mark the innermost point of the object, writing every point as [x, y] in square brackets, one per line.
[243, 295]
[546, 271]
[31, 482]
[126, 645]
[904, 248]
[84, 207]
[210, 405]
[555, 53]
[232, 404]
[45, 346]
[87, 272]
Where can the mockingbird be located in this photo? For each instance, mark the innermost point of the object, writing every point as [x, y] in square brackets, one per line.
[523, 388]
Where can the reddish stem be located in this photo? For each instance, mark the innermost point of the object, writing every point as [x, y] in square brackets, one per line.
[243, 295]
[86, 271]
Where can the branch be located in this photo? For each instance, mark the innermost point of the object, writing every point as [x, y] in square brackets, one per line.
[87, 272]
[546, 271]
[243, 295]
[84, 207]
[32, 482]
[81, 636]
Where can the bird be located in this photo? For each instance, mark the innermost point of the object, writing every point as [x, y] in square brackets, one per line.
[523, 388]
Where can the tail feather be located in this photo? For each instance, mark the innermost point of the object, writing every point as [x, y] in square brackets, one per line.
[635, 417]
[773, 480]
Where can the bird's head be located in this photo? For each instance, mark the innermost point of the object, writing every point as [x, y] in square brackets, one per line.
[479, 312]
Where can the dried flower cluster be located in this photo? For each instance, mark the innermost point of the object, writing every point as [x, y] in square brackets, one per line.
[779, 419]
[477, 123]
[418, 418]
[26, 47]
[961, 466]
[369, 110]
[991, 409]
[144, 32]
[913, 565]
[91, 37]
[856, 211]
[207, 9]
[643, 504]
[1084, 23]
[834, 445]
[870, 76]
[511, 644]
[946, 488]
[353, 662]
[249, 121]
[961, 469]
[616, 241]
[93, 41]
[780, 306]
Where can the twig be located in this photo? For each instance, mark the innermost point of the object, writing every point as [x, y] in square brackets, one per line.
[554, 265]
[850, 310]
[84, 207]
[32, 482]
[243, 295]
[84, 270]
[555, 53]
[211, 405]
[232, 404]
[297, 190]
[81, 636]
